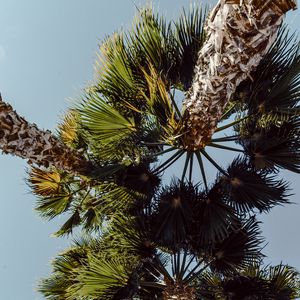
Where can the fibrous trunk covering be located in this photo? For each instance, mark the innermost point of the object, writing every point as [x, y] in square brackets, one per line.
[239, 33]
[178, 291]
[18, 137]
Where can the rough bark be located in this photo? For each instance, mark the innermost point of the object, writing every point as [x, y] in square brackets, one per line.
[26, 140]
[178, 291]
[239, 33]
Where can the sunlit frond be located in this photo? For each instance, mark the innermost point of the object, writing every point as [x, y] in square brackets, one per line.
[68, 129]
[104, 121]
[44, 183]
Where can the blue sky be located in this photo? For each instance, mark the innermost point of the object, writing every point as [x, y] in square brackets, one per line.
[47, 52]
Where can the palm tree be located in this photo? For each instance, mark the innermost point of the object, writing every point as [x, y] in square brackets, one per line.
[147, 237]
[20, 138]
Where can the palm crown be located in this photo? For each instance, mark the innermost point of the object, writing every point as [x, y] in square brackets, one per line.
[145, 237]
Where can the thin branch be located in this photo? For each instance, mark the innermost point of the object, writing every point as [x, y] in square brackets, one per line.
[181, 273]
[230, 138]
[231, 124]
[154, 144]
[177, 270]
[213, 162]
[228, 111]
[199, 158]
[173, 265]
[174, 103]
[188, 265]
[161, 269]
[193, 270]
[180, 153]
[188, 280]
[225, 147]
[171, 159]
[191, 167]
[188, 155]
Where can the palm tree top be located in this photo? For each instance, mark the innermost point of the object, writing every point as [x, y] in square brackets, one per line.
[189, 237]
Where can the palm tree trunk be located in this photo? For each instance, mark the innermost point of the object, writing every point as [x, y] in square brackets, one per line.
[26, 140]
[179, 292]
[239, 33]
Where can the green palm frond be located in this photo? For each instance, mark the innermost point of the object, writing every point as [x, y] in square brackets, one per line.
[284, 282]
[53, 206]
[65, 269]
[130, 235]
[153, 41]
[209, 286]
[68, 227]
[118, 80]
[190, 36]
[241, 286]
[248, 189]
[102, 277]
[160, 106]
[57, 192]
[244, 287]
[105, 122]
[276, 83]
[90, 270]
[88, 202]
[254, 282]
[54, 287]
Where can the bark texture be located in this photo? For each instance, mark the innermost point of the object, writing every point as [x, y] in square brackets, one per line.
[26, 140]
[239, 34]
[176, 291]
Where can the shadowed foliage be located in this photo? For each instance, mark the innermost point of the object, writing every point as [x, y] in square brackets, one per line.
[144, 235]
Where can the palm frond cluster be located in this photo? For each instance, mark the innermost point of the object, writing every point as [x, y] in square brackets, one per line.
[188, 238]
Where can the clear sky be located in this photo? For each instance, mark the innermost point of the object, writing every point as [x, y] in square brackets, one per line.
[47, 51]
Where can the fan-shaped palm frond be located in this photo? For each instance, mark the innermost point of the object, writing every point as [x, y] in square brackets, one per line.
[139, 178]
[254, 282]
[102, 277]
[88, 201]
[105, 122]
[119, 80]
[153, 41]
[283, 282]
[248, 189]
[213, 219]
[87, 271]
[190, 36]
[173, 213]
[44, 183]
[274, 146]
[276, 83]
[239, 249]
[69, 129]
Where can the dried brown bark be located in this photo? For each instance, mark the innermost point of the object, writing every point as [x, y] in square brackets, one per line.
[239, 33]
[177, 291]
[21, 138]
